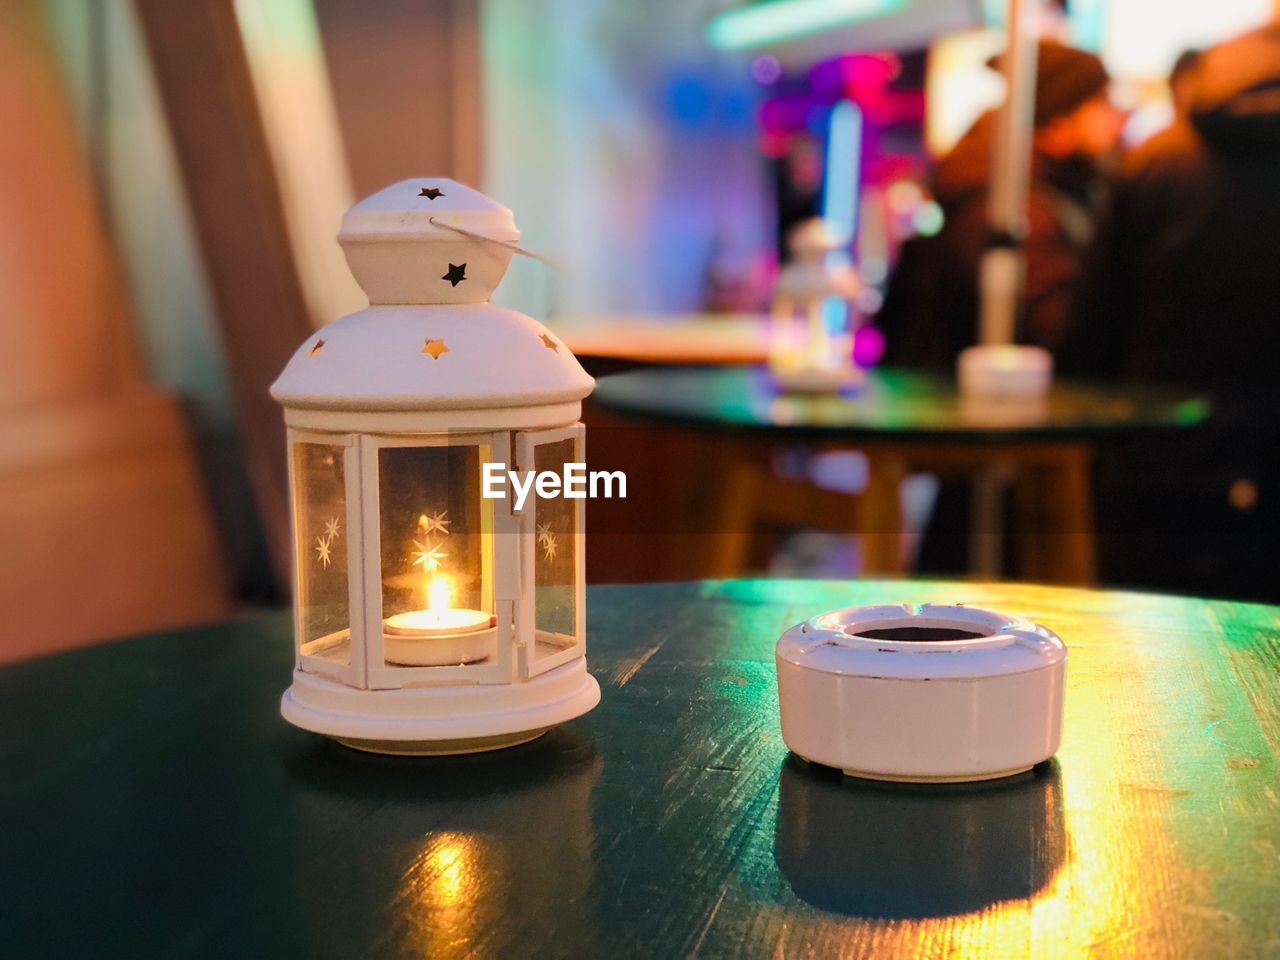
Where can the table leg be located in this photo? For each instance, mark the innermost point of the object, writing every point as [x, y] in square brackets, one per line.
[734, 513]
[986, 522]
[1055, 518]
[878, 511]
[1073, 519]
[1030, 512]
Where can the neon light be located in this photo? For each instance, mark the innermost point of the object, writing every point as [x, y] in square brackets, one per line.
[841, 182]
[842, 173]
[778, 20]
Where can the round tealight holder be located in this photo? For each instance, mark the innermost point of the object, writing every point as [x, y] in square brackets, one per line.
[1005, 372]
[930, 693]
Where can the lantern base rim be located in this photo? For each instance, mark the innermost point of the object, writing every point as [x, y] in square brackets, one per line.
[453, 718]
[440, 748]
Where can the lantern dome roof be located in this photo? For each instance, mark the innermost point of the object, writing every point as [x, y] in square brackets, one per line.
[813, 237]
[410, 358]
[429, 252]
[427, 207]
[808, 274]
[806, 279]
[428, 240]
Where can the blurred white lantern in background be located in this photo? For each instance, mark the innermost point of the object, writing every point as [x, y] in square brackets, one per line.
[814, 315]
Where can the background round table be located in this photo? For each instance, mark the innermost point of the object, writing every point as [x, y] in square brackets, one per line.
[894, 404]
[904, 422]
[612, 343]
[155, 803]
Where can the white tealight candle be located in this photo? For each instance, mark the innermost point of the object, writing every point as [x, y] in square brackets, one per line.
[438, 623]
[439, 635]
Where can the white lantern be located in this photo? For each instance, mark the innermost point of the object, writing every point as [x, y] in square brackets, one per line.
[814, 316]
[431, 615]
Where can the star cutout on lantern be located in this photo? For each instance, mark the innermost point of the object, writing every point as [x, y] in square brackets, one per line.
[437, 521]
[319, 345]
[434, 348]
[548, 342]
[322, 551]
[456, 274]
[549, 547]
[430, 193]
[428, 556]
[331, 528]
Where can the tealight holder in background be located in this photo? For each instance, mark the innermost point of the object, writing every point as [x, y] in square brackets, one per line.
[931, 694]
[1004, 372]
[430, 618]
[814, 316]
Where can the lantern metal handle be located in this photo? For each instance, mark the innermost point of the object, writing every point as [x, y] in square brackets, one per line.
[501, 243]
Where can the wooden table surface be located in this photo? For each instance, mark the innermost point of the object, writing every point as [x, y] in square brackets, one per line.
[155, 805]
[676, 338]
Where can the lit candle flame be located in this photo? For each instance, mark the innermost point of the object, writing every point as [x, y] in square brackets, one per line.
[439, 593]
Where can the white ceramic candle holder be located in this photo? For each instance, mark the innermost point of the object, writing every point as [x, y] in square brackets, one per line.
[1004, 372]
[927, 694]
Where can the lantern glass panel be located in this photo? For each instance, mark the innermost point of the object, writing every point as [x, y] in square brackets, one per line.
[555, 556]
[320, 519]
[787, 333]
[436, 555]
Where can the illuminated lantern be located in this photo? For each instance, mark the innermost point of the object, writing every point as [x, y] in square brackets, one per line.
[431, 614]
[814, 316]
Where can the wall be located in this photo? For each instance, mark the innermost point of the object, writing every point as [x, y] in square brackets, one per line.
[627, 147]
[122, 131]
[406, 85]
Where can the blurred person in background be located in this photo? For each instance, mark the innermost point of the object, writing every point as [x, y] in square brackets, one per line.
[1182, 285]
[1182, 282]
[1182, 81]
[931, 308]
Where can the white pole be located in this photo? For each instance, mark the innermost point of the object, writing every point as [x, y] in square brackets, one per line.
[1002, 268]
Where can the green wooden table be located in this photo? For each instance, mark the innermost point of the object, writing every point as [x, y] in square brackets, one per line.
[154, 804]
